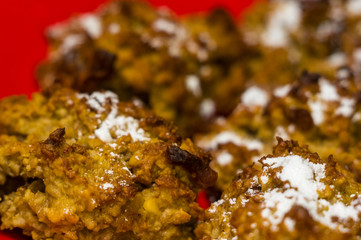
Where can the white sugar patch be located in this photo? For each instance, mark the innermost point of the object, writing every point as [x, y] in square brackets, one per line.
[97, 100]
[304, 182]
[114, 28]
[284, 19]
[231, 137]
[207, 108]
[337, 59]
[193, 84]
[71, 41]
[343, 74]
[318, 104]
[290, 223]
[282, 91]
[346, 107]
[357, 55]
[92, 24]
[254, 96]
[354, 7]
[317, 108]
[163, 25]
[106, 186]
[224, 158]
[118, 125]
[282, 133]
[328, 92]
[299, 173]
[356, 117]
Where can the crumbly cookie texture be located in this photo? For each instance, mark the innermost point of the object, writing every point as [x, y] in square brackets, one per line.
[79, 166]
[287, 37]
[291, 194]
[321, 113]
[188, 70]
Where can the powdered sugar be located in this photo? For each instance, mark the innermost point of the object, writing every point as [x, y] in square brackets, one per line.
[224, 158]
[284, 19]
[92, 24]
[164, 25]
[304, 180]
[337, 59]
[319, 103]
[114, 28]
[299, 173]
[106, 186]
[71, 41]
[328, 92]
[114, 126]
[354, 7]
[255, 96]
[282, 91]
[346, 107]
[207, 108]
[193, 84]
[231, 137]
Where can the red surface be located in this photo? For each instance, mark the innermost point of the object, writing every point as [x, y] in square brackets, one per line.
[22, 24]
[22, 42]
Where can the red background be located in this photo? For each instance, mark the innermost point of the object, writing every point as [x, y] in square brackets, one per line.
[22, 24]
[23, 45]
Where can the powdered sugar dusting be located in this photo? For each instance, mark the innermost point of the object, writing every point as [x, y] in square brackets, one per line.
[254, 96]
[317, 108]
[193, 84]
[114, 28]
[304, 180]
[328, 92]
[114, 126]
[318, 103]
[282, 91]
[71, 41]
[164, 25]
[106, 186]
[207, 108]
[284, 19]
[92, 24]
[299, 173]
[346, 107]
[231, 137]
[354, 7]
[224, 158]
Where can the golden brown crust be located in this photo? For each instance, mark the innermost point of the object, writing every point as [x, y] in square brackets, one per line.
[187, 70]
[264, 201]
[103, 171]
